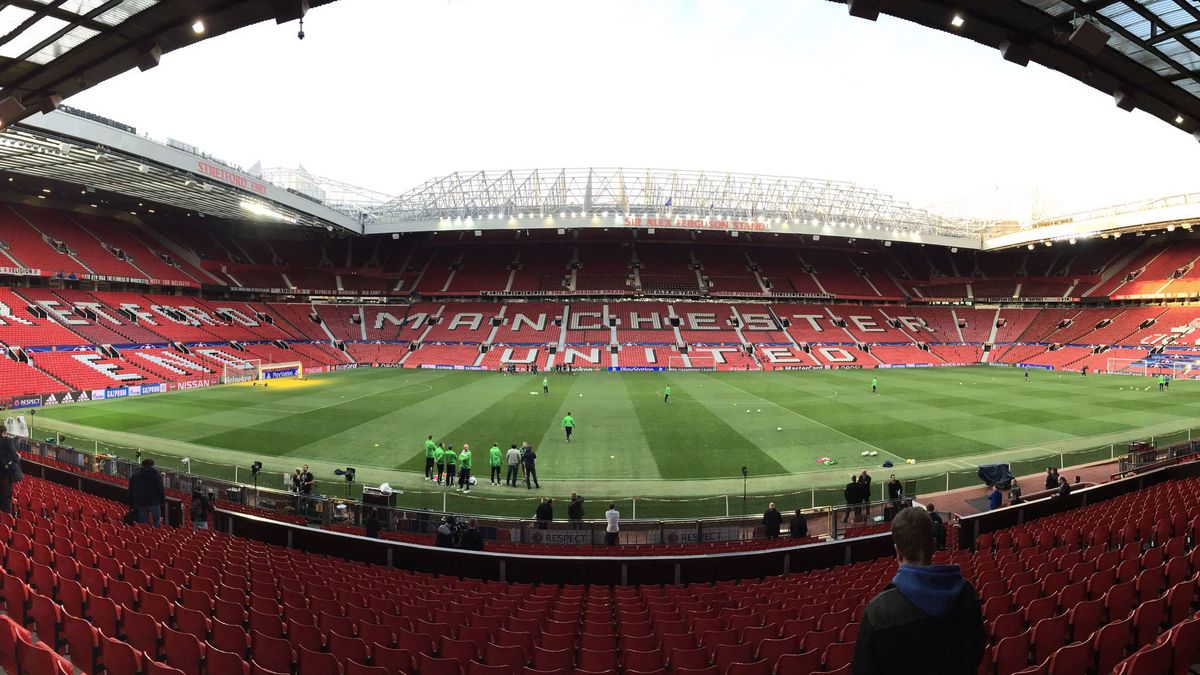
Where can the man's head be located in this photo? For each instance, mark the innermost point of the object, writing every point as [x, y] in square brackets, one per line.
[771, 506]
[514, 446]
[305, 468]
[912, 534]
[148, 462]
[297, 471]
[431, 437]
[466, 447]
[568, 413]
[574, 496]
[853, 478]
[929, 507]
[893, 476]
[612, 507]
[1078, 480]
[864, 472]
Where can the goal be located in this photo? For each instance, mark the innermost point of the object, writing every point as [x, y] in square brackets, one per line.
[1147, 368]
[691, 362]
[254, 369]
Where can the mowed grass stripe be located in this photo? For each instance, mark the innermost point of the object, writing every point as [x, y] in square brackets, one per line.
[687, 439]
[609, 440]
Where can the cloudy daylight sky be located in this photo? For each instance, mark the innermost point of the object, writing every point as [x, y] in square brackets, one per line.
[387, 93]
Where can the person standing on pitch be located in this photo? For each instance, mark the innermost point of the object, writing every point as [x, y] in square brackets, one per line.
[545, 386]
[464, 469]
[439, 461]
[569, 425]
[430, 446]
[529, 457]
[451, 458]
[513, 457]
[874, 385]
[667, 394]
[494, 461]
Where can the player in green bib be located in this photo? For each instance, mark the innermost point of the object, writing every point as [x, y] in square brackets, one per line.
[464, 469]
[494, 461]
[667, 394]
[545, 385]
[874, 385]
[439, 461]
[569, 426]
[451, 458]
[430, 449]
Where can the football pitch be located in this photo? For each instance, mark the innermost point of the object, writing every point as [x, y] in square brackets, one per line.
[628, 442]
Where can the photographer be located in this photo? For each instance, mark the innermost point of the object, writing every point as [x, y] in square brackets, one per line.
[10, 470]
[449, 533]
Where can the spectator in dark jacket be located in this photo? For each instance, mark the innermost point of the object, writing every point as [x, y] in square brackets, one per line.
[895, 489]
[1051, 478]
[146, 495]
[799, 526]
[10, 470]
[372, 523]
[772, 520]
[1064, 488]
[575, 511]
[201, 509]
[928, 621]
[544, 514]
[851, 495]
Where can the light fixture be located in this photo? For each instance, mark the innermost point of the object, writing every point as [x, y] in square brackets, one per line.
[1071, 240]
[1031, 247]
[1048, 242]
[1170, 228]
[957, 21]
[46, 190]
[1179, 119]
[198, 27]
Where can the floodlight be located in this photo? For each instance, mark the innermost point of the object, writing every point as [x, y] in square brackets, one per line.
[1179, 119]
[1031, 247]
[957, 21]
[198, 27]
[1071, 240]
[255, 468]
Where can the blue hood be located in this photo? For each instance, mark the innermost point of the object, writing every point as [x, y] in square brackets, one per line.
[932, 588]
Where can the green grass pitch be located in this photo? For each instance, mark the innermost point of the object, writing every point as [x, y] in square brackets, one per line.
[628, 442]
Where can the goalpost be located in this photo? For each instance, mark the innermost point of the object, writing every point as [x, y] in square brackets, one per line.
[252, 370]
[1146, 368]
[691, 362]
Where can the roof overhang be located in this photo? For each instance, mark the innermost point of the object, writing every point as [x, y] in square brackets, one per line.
[91, 154]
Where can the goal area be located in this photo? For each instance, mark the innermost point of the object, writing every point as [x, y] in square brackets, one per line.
[691, 362]
[253, 370]
[1147, 368]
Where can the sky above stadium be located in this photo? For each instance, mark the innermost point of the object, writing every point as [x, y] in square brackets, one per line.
[386, 94]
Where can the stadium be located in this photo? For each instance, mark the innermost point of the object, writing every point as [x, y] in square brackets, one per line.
[324, 374]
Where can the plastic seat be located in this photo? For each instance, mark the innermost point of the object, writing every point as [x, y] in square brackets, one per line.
[1111, 643]
[1119, 601]
[229, 638]
[428, 665]
[182, 651]
[1012, 654]
[462, 651]
[272, 653]
[642, 660]
[1086, 618]
[157, 668]
[346, 648]
[549, 660]
[83, 642]
[1150, 660]
[477, 668]
[396, 661]
[317, 663]
[142, 632]
[838, 655]
[819, 640]
[119, 658]
[1073, 659]
[598, 660]
[1147, 619]
[47, 618]
[725, 655]
[38, 659]
[804, 663]
[217, 661]
[694, 658]
[356, 668]
[752, 668]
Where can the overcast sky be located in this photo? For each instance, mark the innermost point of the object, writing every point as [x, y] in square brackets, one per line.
[385, 94]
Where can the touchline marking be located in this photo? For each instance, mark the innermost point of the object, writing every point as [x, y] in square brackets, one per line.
[822, 424]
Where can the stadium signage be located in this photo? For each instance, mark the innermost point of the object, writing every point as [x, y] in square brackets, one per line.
[26, 401]
[191, 384]
[561, 537]
[232, 177]
[20, 272]
[696, 224]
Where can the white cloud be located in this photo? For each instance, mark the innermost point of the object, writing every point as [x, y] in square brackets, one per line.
[387, 94]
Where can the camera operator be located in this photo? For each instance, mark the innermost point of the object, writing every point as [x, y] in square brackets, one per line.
[449, 533]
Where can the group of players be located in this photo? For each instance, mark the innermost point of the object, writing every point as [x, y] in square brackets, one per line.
[443, 464]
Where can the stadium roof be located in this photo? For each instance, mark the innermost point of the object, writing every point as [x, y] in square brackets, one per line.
[1144, 53]
[600, 197]
[53, 49]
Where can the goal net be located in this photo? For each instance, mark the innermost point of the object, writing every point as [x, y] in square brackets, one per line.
[691, 362]
[1150, 368]
[254, 369]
